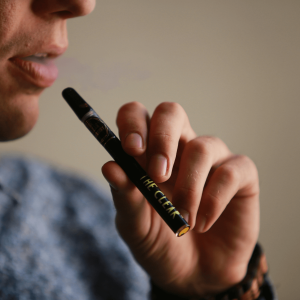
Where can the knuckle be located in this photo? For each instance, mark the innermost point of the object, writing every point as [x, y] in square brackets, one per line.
[228, 174]
[187, 192]
[244, 159]
[250, 165]
[213, 202]
[167, 107]
[186, 197]
[202, 145]
[250, 172]
[163, 136]
[158, 142]
[247, 160]
[129, 115]
[131, 106]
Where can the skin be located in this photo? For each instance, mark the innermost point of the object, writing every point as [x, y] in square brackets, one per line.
[215, 190]
[19, 20]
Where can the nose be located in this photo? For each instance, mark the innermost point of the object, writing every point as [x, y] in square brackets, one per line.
[64, 8]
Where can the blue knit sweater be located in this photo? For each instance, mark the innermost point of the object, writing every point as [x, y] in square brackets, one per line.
[58, 239]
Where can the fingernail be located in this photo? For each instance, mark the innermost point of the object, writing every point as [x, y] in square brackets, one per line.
[158, 165]
[202, 224]
[185, 214]
[134, 140]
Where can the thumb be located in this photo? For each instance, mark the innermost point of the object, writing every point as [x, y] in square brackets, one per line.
[133, 219]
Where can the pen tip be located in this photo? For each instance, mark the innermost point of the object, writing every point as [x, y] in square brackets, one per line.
[68, 92]
[76, 102]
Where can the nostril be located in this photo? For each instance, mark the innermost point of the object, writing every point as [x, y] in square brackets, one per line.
[65, 14]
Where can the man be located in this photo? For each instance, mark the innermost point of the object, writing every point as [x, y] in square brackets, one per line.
[217, 192]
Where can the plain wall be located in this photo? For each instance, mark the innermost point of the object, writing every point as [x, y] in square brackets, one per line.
[232, 65]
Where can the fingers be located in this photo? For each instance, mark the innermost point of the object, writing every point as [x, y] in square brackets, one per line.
[209, 177]
[132, 121]
[237, 177]
[169, 126]
[133, 215]
[198, 157]
[159, 136]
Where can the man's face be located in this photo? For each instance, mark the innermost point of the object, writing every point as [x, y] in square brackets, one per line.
[32, 34]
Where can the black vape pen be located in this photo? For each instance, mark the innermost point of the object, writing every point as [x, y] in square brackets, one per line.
[130, 166]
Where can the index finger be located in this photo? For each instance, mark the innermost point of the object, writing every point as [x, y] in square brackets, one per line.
[169, 125]
[132, 121]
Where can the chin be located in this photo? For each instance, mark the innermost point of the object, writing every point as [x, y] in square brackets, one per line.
[18, 117]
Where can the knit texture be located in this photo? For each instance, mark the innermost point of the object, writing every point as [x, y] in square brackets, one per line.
[58, 238]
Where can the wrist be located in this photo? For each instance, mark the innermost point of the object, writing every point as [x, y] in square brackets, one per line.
[248, 288]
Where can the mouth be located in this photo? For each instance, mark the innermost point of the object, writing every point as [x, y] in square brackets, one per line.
[38, 69]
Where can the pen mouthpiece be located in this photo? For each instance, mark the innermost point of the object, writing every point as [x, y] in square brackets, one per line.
[78, 105]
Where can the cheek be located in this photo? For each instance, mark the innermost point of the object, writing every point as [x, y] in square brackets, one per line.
[18, 115]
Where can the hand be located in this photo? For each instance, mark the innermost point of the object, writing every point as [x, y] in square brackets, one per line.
[217, 193]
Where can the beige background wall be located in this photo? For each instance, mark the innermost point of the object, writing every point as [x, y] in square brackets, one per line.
[233, 66]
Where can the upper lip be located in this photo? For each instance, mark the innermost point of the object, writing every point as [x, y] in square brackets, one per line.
[52, 51]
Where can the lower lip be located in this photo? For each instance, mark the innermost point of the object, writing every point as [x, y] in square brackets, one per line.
[41, 75]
